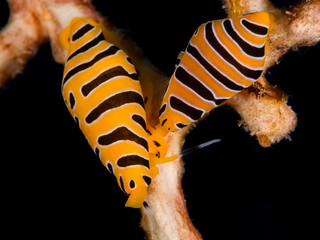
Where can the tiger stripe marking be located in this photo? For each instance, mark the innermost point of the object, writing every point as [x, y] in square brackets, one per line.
[123, 188]
[185, 108]
[132, 160]
[81, 50]
[121, 134]
[110, 167]
[72, 100]
[219, 48]
[194, 84]
[106, 76]
[115, 101]
[181, 125]
[214, 72]
[147, 180]
[222, 58]
[162, 109]
[100, 55]
[140, 121]
[243, 44]
[81, 32]
[164, 121]
[255, 28]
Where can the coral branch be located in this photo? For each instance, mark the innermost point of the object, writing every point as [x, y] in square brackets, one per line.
[23, 25]
[267, 116]
[168, 218]
[296, 27]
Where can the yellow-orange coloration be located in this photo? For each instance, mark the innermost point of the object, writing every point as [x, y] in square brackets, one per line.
[222, 58]
[33, 23]
[103, 94]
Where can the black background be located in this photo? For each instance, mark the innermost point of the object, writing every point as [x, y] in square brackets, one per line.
[53, 185]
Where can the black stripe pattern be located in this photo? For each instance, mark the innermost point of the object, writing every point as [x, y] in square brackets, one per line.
[185, 108]
[101, 55]
[147, 179]
[254, 28]
[114, 101]
[227, 82]
[244, 45]
[104, 77]
[222, 58]
[181, 125]
[194, 84]
[162, 109]
[121, 134]
[187, 79]
[72, 100]
[122, 185]
[216, 45]
[87, 46]
[140, 121]
[132, 160]
[81, 32]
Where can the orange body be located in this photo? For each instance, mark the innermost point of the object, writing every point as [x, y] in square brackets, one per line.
[102, 92]
[222, 58]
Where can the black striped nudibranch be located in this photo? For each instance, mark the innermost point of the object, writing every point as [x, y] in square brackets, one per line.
[222, 58]
[103, 94]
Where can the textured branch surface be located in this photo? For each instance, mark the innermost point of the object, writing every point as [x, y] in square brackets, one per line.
[263, 107]
[271, 119]
[169, 218]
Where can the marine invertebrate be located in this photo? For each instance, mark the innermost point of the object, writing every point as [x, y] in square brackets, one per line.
[114, 123]
[222, 58]
[35, 22]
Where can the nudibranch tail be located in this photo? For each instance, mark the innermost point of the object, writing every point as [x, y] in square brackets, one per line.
[137, 197]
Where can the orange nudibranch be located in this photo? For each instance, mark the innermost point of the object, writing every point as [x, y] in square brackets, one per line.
[222, 58]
